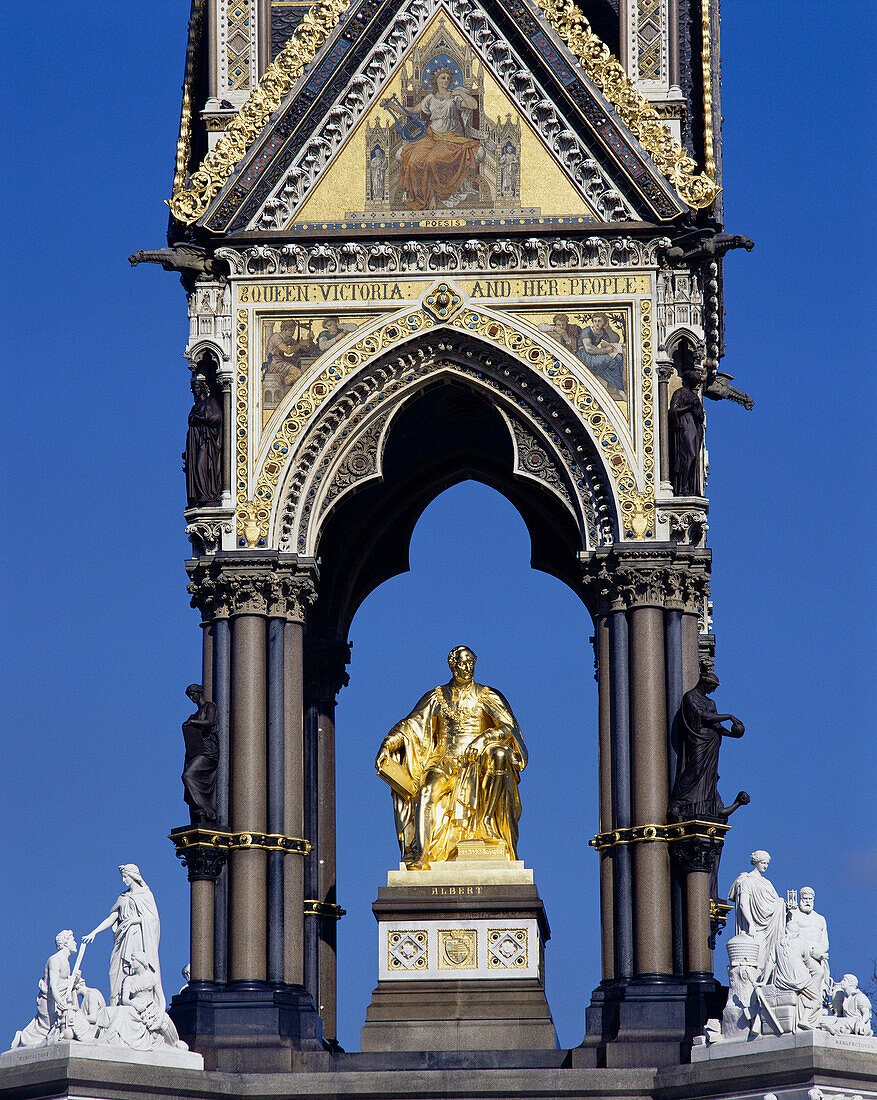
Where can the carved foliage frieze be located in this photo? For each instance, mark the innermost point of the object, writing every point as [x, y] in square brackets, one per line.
[222, 589]
[651, 578]
[474, 255]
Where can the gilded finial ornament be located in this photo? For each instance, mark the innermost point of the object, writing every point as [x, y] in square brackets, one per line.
[607, 72]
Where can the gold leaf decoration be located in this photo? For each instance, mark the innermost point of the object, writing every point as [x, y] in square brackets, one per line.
[607, 72]
[191, 198]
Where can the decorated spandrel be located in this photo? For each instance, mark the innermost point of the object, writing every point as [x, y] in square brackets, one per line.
[443, 139]
[454, 765]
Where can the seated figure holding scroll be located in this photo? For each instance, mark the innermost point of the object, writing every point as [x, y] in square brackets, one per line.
[454, 764]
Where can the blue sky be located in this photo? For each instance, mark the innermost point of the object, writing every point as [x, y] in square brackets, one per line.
[98, 637]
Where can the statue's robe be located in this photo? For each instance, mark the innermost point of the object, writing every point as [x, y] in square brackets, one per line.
[136, 931]
[430, 744]
[761, 913]
[695, 794]
[814, 933]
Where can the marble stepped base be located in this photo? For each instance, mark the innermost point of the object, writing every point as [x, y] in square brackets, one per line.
[771, 1044]
[38, 1056]
[460, 961]
[789, 1074]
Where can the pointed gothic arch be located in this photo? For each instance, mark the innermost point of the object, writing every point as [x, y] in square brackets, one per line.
[364, 474]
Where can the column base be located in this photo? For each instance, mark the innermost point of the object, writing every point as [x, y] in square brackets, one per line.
[647, 1021]
[247, 1027]
[460, 962]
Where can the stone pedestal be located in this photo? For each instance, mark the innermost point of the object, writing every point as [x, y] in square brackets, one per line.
[460, 961]
[646, 1022]
[248, 1027]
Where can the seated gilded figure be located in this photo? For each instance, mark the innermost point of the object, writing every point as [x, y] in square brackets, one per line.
[454, 764]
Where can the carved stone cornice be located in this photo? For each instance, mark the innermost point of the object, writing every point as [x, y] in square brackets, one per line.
[325, 668]
[665, 577]
[225, 586]
[481, 255]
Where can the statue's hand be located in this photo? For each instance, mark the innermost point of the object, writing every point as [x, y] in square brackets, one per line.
[737, 727]
[89, 937]
[381, 759]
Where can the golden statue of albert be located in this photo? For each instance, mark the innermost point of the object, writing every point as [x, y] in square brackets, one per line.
[454, 765]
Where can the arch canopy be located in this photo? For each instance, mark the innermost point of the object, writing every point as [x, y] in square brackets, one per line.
[444, 434]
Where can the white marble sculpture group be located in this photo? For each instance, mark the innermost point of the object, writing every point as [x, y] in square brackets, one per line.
[778, 975]
[135, 1018]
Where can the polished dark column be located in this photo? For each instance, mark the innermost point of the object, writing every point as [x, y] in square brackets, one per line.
[293, 802]
[604, 749]
[690, 652]
[673, 648]
[651, 890]
[325, 661]
[208, 632]
[621, 796]
[311, 939]
[222, 698]
[276, 716]
[248, 867]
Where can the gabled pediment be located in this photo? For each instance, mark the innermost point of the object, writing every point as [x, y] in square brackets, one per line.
[419, 114]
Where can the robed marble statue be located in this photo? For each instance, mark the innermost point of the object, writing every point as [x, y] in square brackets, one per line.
[454, 765]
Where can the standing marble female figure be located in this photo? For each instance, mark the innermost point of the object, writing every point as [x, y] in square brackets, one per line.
[136, 930]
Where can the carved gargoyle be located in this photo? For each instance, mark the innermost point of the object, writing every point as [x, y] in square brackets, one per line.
[709, 249]
[182, 257]
[718, 388]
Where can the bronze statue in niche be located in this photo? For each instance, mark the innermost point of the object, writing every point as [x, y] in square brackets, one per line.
[686, 417]
[202, 459]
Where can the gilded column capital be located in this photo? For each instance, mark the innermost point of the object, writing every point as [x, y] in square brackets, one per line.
[325, 668]
[223, 587]
[669, 577]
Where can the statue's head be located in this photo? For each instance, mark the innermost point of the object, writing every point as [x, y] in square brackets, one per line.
[200, 388]
[65, 939]
[462, 663]
[130, 873]
[850, 983]
[760, 860]
[139, 962]
[806, 897]
[195, 692]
